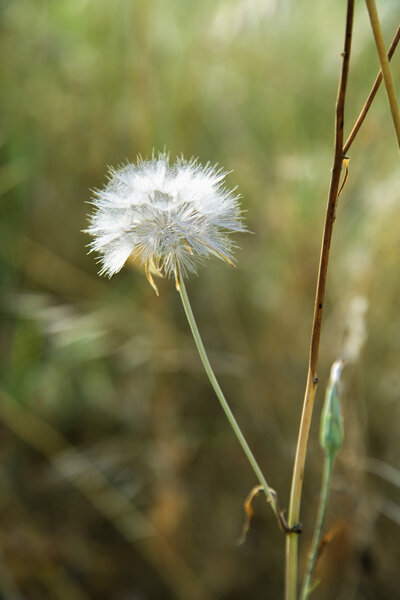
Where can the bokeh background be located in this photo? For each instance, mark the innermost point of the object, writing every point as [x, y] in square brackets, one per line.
[120, 478]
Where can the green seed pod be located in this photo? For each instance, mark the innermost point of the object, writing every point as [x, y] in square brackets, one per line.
[332, 430]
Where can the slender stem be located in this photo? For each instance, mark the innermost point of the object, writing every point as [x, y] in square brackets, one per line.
[312, 379]
[371, 96]
[225, 406]
[326, 477]
[383, 59]
[297, 480]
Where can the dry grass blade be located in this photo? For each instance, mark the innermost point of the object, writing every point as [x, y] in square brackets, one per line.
[249, 512]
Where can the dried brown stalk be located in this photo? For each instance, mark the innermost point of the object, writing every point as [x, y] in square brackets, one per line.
[312, 379]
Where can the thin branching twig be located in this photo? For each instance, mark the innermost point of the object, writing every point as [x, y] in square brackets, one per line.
[371, 96]
[383, 59]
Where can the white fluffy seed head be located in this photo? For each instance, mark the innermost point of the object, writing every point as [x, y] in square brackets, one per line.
[168, 216]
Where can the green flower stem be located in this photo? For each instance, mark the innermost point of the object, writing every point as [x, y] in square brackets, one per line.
[312, 558]
[225, 406]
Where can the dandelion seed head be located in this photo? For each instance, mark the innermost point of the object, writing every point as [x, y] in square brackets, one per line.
[168, 216]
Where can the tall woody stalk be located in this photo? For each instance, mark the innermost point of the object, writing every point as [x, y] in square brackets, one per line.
[312, 379]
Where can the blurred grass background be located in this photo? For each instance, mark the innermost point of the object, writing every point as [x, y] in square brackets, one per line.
[120, 478]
